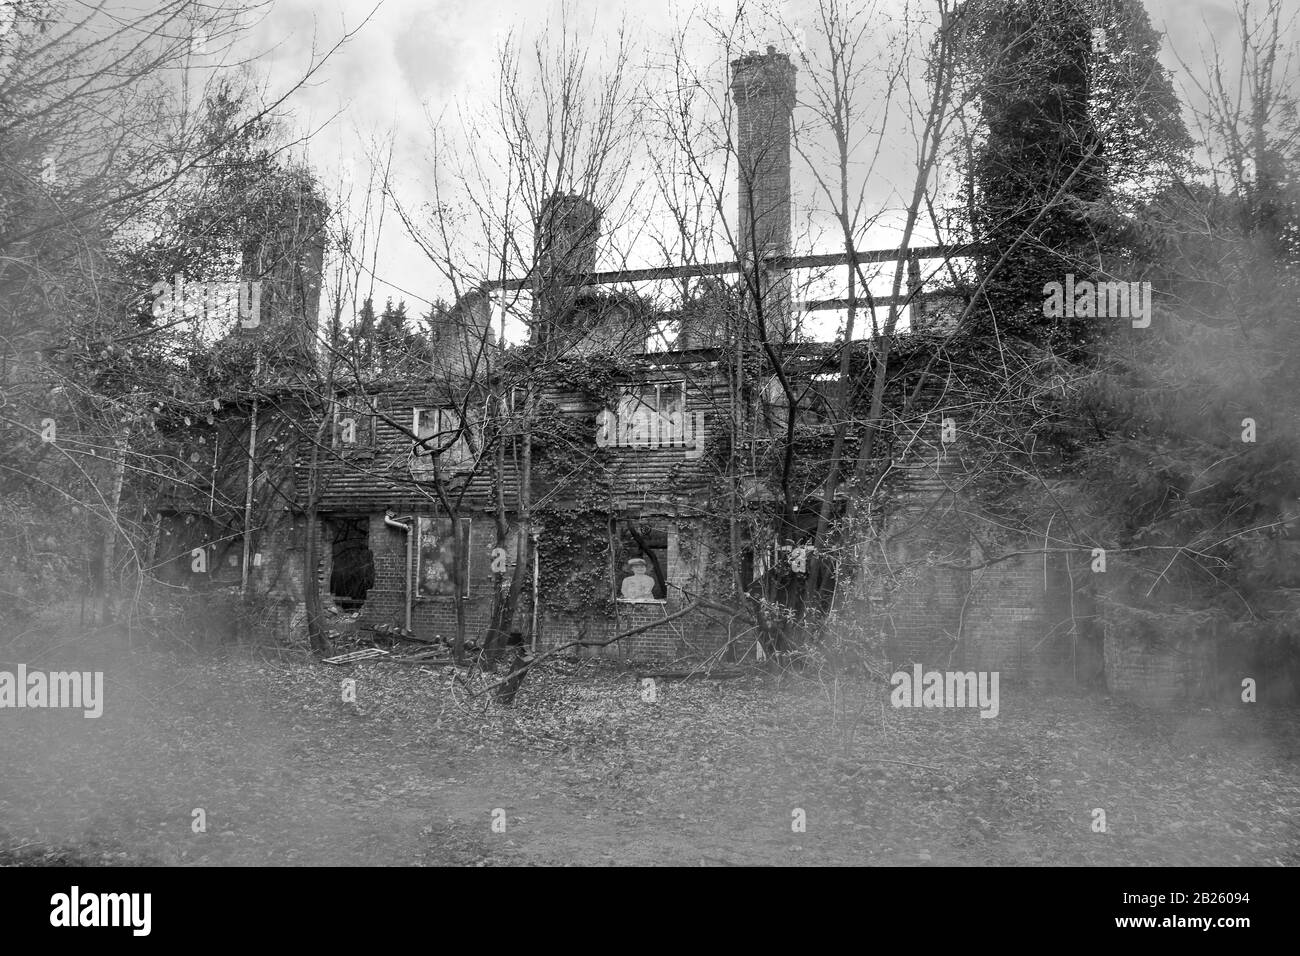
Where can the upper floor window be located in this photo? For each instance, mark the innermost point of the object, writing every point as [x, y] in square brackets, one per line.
[811, 403]
[652, 415]
[440, 433]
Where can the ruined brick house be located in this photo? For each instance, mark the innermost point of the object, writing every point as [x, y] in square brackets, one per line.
[407, 529]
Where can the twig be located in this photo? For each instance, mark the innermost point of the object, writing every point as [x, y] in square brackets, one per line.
[694, 605]
[919, 766]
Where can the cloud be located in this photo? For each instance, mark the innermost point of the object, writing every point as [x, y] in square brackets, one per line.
[432, 51]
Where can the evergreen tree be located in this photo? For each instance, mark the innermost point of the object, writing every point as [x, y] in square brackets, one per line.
[359, 340]
[394, 340]
[1078, 124]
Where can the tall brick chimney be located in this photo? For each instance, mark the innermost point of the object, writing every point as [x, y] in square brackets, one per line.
[459, 337]
[567, 232]
[287, 255]
[762, 86]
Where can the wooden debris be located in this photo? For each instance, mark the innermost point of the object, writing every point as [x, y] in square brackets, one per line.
[432, 655]
[352, 657]
[388, 630]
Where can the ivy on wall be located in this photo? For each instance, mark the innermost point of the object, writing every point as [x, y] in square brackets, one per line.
[573, 484]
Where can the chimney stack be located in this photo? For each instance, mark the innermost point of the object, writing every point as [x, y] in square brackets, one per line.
[287, 256]
[567, 230]
[763, 88]
[460, 336]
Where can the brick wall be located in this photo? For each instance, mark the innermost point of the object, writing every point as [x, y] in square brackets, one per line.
[386, 600]
[277, 576]
[1150, 673]
[692, 635]
[1003, 617]
[938, 606]
[1158, 656]
[433, 616]
[1017, 620]
[921, 602]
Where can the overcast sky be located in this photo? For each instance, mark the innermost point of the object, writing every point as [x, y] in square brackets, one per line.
[415, 57]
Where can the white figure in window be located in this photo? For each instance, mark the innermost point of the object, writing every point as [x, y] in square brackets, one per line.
[639, 586]
[799, 558]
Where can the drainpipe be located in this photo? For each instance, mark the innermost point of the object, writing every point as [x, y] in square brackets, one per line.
[405, 527]
[249, 475]
[536, 598]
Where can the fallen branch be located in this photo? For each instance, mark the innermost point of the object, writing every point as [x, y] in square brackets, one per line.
[693, 606]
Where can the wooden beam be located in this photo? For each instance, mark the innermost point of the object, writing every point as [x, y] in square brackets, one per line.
[880, 302]
[776, 263]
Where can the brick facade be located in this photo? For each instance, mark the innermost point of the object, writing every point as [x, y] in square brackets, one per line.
[939, 602]
[435, 616]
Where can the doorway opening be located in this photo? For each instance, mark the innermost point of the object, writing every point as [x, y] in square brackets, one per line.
[353, 573]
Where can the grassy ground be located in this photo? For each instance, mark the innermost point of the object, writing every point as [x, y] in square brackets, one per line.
[585, 771]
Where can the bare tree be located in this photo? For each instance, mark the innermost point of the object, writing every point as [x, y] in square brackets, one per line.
[561, 125]
[104, 152]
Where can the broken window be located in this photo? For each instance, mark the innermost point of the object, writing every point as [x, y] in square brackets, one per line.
[515, 399]
[443, 557]
[652, 415]
[441, 434]
[352, 574]
[812, 406]
[640, 561]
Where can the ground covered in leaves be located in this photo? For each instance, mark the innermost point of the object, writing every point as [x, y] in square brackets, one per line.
[584, 770]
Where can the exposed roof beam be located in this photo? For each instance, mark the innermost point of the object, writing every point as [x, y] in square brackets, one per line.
[879, 301]
[776, 263]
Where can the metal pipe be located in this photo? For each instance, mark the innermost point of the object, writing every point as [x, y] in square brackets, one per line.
[249, 475]
[536, 598]
[408, 529]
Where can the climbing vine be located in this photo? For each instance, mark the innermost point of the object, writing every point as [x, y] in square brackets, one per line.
[573, 484]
